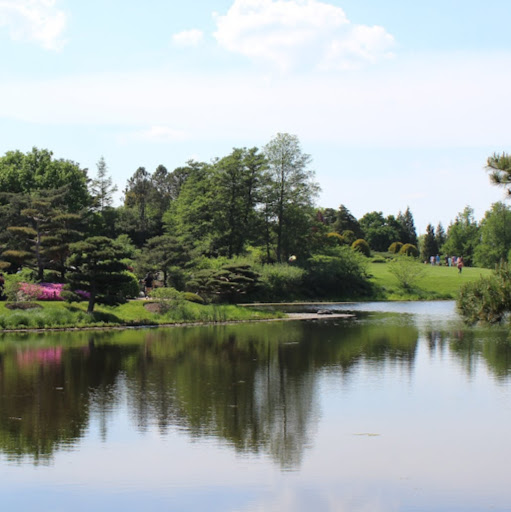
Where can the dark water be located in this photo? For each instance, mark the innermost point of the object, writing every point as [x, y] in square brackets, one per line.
[401, 408]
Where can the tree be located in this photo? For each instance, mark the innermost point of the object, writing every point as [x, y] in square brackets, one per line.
[408, 234]
[499, 167]
[345, 221]
[164, 254]
[236, 182]
[98, 269]
[463, 236]
[440, 236]
[429, 244]
[379, 231]
[290, 186]
[102, 188]
[37, 169]
[44, 230]
[495, 232]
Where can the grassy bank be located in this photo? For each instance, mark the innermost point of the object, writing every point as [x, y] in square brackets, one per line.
[134, 313]
[435, 283]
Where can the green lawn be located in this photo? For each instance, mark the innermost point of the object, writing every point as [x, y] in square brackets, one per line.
[436, 283]
[64, 315]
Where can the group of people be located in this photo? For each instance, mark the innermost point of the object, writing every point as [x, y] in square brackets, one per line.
[450, 261]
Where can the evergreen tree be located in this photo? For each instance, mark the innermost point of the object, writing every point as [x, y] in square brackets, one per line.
[429, 245]
[407, 227]
[98, 269]
[102, 188]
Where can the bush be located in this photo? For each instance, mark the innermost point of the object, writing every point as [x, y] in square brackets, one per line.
[407, 270]
[409, 250]
[165, 293]
[130, 288]
[487, 300]
[337, 276]
[193, 297]
[395, 247]
[280, 281]
[361, 246]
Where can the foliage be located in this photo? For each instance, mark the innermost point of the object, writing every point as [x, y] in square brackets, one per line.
[463, 236]
[281, 281]
[290, 190]
[407, 271]
[165, 293]
[408, 234]
[337, 276]
[361, 246]
[97, 268]
[102, 188]
[487, 300]
[499, 167]
[41, 291]
[230, 283]
[395, 247]
[193, 297]
[380, 231]
[38, 170]
[130, 287]
[429, 244]
[495, 232]
[409, 250]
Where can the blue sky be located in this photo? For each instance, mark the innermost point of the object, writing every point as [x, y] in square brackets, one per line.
[398, 103]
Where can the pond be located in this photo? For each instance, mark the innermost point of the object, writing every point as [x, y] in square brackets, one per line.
[399, 408]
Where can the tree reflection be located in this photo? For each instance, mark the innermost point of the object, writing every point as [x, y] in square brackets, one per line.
[252, 386]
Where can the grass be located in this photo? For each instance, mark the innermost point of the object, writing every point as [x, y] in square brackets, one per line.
[133, 313]
[437, 282]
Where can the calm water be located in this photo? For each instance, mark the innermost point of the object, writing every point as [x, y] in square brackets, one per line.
[401, 408]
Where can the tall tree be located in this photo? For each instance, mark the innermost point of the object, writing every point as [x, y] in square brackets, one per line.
[102, 187]
[463, 236]
[291, 187]
[346, 221]
[429, 245]
[495, 232]
[407, 227]
[37, 170]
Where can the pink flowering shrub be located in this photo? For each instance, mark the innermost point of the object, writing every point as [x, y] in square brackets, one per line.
[42, 291]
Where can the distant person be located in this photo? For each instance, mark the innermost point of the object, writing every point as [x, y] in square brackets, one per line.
[460, 264]
[432, 260]
[438, 260]
[148, 283]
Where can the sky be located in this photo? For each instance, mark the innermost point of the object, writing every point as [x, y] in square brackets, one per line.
[398, 103]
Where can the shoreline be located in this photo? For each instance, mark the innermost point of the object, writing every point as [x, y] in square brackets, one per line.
[288, 317]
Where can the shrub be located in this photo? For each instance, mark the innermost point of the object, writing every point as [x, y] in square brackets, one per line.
[165, 293]
[130, 288]
[193, 297]
[407, 270]
[23, 305]
[281, 281]
[395, 247]
[336, 237]
[409, 250]
[361, 246]
[487, 300]
[337, 276]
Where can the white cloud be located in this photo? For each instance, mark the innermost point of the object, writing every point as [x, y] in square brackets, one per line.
[188, 38]
[422, 101]
[39, 21]
[305, 33]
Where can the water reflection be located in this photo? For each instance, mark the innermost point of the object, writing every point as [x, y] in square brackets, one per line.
[253, 386]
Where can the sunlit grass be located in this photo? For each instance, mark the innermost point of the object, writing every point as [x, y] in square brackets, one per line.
[63, 315]
[437, 282]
